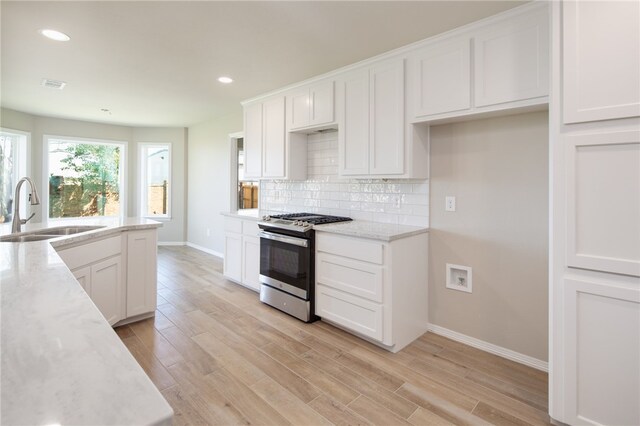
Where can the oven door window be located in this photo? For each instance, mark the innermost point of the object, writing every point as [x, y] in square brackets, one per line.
[286, 263]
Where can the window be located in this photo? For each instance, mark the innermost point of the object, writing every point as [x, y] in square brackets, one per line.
[84, 177]
[13, 166]
[155, 176]
[248, 190]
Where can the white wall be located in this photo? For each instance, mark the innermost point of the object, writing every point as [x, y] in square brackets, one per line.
[498, 171]
[209, 191]
[38, 126]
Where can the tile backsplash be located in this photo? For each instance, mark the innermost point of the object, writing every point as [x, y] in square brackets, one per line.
[404, 201]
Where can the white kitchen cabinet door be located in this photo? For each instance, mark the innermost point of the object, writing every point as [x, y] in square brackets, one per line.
[353, 137]
[601, 60]
[442, 78]
[322, 104]
[141, 272]
[253, 141]
[298, 104]
[351, 312]
[251, 262]
[274, 139]
[233, 256]
[107, 288]
[603, 171]
[386, 126]
[512, 60]
[83, 276]
[602, 329]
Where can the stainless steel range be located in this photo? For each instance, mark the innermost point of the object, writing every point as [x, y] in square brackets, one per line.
[287, 247]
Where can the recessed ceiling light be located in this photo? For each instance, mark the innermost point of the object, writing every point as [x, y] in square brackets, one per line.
[225, 80]
[55, 35]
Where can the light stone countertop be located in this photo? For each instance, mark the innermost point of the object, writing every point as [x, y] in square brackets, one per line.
[373, 230]
[61, 361]
[250, 214]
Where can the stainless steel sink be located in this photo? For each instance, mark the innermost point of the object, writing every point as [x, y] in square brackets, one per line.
[46, 234]
[25, 238]
[66, 230]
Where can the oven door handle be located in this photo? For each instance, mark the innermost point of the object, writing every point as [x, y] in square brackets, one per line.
[284, 239]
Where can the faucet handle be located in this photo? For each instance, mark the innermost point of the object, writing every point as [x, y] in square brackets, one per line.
[23, 221]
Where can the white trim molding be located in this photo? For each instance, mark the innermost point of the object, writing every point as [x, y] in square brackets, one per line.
[171, 243]
[490, 347]
[204, 249]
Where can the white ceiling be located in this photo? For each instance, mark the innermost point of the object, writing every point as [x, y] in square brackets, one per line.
[155, 63]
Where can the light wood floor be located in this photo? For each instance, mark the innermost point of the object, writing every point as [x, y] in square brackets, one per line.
[219, 356]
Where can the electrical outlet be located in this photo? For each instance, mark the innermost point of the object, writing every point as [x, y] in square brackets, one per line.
[450, 203]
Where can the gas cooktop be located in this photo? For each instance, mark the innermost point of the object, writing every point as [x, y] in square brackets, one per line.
[301, 222]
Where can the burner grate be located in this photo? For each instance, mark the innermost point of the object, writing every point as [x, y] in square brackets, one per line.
[313, 218]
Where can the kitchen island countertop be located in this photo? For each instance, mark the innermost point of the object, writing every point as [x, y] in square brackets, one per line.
[61, 361]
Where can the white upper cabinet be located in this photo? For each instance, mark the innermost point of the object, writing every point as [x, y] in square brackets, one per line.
[498, 65]
[601, 60]
[386, 91]
[353, 134]
[273, 143]
[311, 106]
[441, 77]
[269, 151]
[371, 136]
[253, 141]
[512, 60]
[298, 104]
[322, 103]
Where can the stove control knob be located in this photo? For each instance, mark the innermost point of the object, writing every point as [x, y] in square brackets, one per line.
[305, 224]
[266, 218]
[298, 223]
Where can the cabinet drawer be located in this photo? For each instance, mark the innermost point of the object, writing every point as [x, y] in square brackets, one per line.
[354, 313]
[233, 225]
[351, 276]
[86, 254]
[250, 227]
[354, 248]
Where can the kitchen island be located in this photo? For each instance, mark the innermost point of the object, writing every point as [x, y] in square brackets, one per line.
[61, 362]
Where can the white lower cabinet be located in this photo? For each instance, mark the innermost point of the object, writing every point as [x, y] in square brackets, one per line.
[376, 289]
[233, 256]
[104, 284]
[251, 261]
[242, 252]
[107, 288]
[142, 273]
[118, 273]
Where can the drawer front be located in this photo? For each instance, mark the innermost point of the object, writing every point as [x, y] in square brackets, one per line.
[351, 312]
[250, 227]
[233, 225]
[354, 248]
[351, 276]
[86, 254]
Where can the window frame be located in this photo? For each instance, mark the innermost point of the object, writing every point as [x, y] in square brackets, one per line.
[142, 177]
[233, 174]
[24, 165]
[92, 141]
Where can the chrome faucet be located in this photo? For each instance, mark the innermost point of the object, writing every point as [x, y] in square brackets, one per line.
[34, 200]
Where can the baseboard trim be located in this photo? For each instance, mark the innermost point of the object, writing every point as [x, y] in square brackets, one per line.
[204, 249]
[490, 347]
[171, 243]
